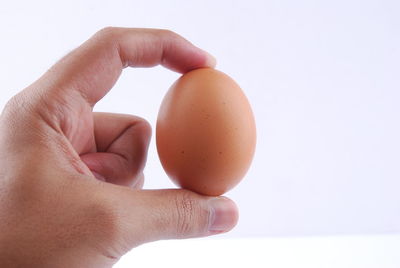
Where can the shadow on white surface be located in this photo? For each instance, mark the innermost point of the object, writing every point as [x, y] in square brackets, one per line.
[334, 251]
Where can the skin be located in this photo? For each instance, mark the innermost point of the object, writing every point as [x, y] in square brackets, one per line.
[71, 179]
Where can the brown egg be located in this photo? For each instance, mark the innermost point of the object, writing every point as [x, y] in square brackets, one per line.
[205, 132]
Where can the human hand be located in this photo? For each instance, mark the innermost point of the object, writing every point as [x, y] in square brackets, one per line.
[71, 179]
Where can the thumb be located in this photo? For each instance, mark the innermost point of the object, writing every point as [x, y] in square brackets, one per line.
[149, 215]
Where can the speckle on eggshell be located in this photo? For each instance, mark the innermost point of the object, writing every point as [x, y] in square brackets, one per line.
[217, 141]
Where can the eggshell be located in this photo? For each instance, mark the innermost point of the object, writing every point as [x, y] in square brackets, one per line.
[205, 132]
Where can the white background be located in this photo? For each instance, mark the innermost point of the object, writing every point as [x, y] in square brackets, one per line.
[323, 78]
[302, 252]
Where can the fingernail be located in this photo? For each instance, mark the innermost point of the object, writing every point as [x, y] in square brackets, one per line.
[98, 176]
[224, 215]
[211, 60]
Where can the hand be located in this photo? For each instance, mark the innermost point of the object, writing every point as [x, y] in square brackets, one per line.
[71, 179]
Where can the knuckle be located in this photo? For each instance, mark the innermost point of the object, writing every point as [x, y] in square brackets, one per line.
[11, 103]
[175, 37]
[138, 122]
[108, 33]
[29, 102]
[19, 110]
[107, 30]
[17, 103]
[143, 127]
[167, 34]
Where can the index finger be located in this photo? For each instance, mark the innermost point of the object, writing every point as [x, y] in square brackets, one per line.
[94, 67]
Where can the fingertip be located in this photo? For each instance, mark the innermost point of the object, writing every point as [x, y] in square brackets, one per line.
[201, 59]
[224, 215]
[211, 61]
[181, 55]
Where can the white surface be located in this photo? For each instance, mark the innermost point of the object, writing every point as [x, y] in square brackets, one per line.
[301, 252]
[322, 76]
